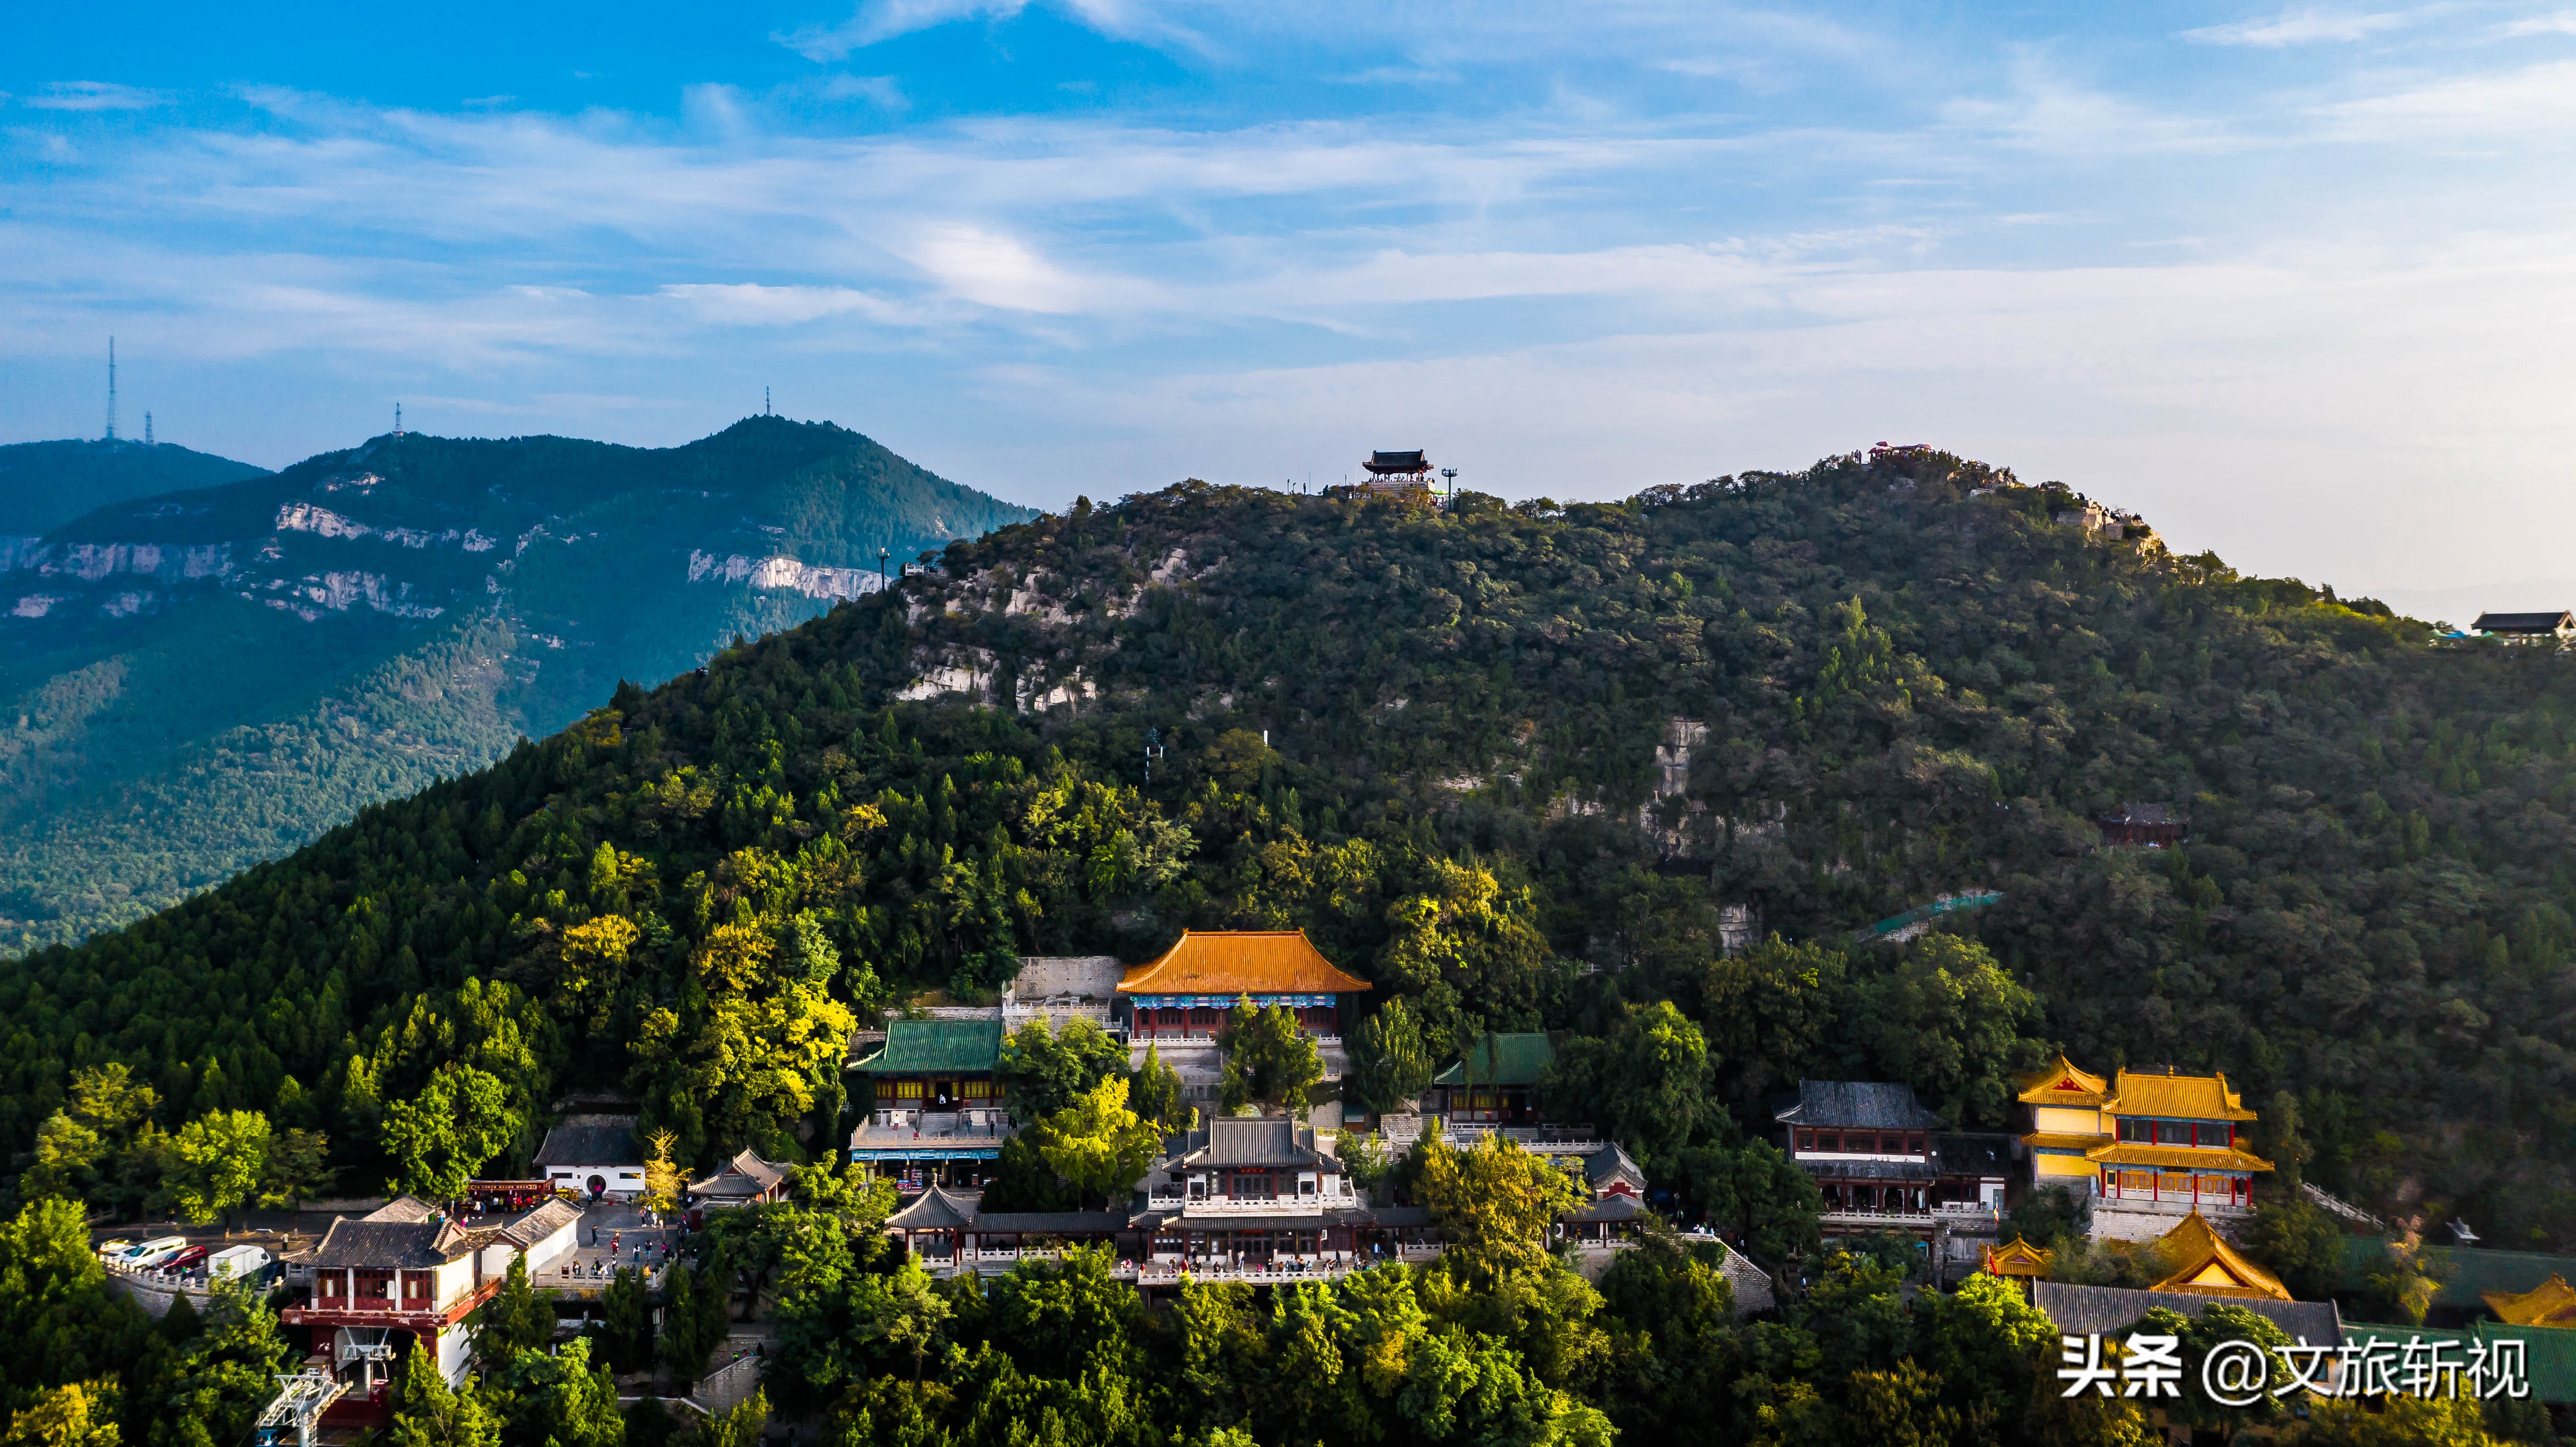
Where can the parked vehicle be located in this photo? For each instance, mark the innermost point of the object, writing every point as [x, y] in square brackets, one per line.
[185, 1259]
[155, 1251]
[246, 1262]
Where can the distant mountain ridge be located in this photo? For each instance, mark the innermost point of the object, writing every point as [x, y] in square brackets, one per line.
[197, 680]
[44, 485]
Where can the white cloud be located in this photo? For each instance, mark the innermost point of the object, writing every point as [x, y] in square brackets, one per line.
[2562, 23]
[2305, 26]
[92, 95]
[881, 20]
[749, 304]
[2536, 102]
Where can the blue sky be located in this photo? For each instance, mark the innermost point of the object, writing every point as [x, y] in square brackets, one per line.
[2297, 283]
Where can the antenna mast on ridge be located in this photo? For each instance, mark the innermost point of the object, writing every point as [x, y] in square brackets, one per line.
[147, 429]
[111, 389]
[764, 403]
[398, 419]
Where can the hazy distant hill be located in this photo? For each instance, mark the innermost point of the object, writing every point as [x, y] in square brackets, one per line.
[46, 484]
[195, 681]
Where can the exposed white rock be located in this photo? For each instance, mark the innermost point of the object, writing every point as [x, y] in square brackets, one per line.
[125, 605]
[304, 517]
[784, 574]
[35, 605]
[475, 542]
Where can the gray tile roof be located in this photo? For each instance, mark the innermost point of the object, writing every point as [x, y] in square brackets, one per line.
[1608, 1164]
[1050, 1223]
[390, 1245]
[540, 1223]
[1608, 1208]
[937, 1210]
[2081, 1310]
[590, 1144]
[1872, 1104]
[1255, 1141]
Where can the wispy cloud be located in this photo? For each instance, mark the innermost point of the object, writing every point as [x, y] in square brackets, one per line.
[92, 95]
[2305, 26]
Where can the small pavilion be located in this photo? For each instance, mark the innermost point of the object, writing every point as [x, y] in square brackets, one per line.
[2019, 1259]
[2207, 1266]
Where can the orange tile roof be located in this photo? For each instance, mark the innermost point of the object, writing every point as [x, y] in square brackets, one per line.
[2177, 1158]
[2018, 1259]
[2551, 1303]
[2049, 1140]
[2211, 1267]
[2062, 1084]
[2175, 1097]
[1241, 962]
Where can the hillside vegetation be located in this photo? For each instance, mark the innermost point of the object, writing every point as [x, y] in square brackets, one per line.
[44, 485]
[194, 682]
[1888, 688]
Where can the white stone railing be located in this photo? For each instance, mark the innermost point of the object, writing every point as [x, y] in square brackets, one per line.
[1538, 1140]
[1841, 1216]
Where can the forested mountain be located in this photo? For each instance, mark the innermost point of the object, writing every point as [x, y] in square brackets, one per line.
[1525, 766]
[196, 681]
[46, 484]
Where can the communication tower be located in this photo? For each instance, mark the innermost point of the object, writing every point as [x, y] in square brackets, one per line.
[147, 429]
[398, 419]
[111, 389]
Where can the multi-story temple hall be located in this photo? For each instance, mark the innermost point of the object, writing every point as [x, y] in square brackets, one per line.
[2146, 1147]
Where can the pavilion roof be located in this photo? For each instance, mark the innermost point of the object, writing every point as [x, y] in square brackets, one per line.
[937, 1047]
[937, 1210]
[1412, 461]
[1502, 1060]
[2551, 1303]
[1241, 962]
[2062, 1084]
[2176, 1158]
[2175, 1097]
[2019, 1259]
[1875, 1104]
[2208, 1266]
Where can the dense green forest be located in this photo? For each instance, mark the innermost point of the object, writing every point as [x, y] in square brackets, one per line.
[205, 680]
[1905, 690]
[44, 485]
[1447, 744]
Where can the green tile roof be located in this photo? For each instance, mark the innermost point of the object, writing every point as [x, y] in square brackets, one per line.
[1503, 1060]
[2549, 1352]
[2473, 1272]
[937, 1047]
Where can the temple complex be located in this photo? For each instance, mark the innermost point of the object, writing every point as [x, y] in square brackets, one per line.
[2144, 1146]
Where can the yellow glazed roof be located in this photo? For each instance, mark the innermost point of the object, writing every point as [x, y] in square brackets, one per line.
[2175, 1097]
[2551, 1303]
[2062, 1084]
[2208, 1266]
[1240, 962]
[2177, 1158]
[2049, 1140]
[2018, 1259]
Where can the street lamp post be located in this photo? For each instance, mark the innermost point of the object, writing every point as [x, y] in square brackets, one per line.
[1450, 474]
[1153, 751]
[881, 562]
